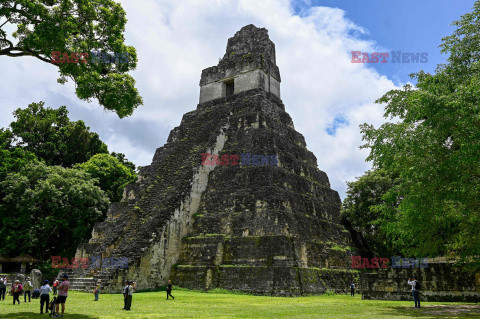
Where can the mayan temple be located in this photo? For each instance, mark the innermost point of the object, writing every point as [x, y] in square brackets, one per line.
[262, 218]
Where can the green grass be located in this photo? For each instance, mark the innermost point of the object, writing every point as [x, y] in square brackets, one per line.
[220, 304]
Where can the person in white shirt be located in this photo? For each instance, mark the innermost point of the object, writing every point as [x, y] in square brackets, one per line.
[415, 290]
[45, 291]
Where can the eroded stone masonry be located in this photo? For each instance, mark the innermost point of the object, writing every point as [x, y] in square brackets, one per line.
[265, 229]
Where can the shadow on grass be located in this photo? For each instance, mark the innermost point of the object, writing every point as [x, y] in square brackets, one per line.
[23, 315]
[435, 311]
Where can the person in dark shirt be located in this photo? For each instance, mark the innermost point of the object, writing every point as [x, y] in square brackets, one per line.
[169, 289]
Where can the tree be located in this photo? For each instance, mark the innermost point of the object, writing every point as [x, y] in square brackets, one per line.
[434, 145]
[365, 218]
[110, 174]
[50, 135]
[71, 27]
[12, 159]
[123, 160]
[48, 210]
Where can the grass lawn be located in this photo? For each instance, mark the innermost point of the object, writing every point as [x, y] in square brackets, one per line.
[218, 304]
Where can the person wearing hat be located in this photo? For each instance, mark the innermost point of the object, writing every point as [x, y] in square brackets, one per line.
[62, 295]
[27, 288]
[16, 291]
[97, 290]
[45, 291]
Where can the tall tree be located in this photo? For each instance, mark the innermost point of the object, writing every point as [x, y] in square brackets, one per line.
[434, 145]
[110, 174]
[48, 210]
[51, 136]
[75, 26]
[365, 216]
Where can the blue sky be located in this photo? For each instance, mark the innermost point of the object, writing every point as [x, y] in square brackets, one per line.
[405, 25]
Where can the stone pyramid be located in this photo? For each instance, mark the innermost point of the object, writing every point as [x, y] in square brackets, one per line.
[234, 199]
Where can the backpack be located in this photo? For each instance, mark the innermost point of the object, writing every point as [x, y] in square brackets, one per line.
[417, 286]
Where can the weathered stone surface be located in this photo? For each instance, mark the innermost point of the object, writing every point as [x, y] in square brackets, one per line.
[440, 281]
[249, 63]
[265, 229]
[36, 278]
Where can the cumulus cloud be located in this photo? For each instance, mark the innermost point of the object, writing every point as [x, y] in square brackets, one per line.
[175, 40]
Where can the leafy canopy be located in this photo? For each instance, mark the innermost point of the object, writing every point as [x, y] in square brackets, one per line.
[48, 209]
[75, 26]
[434, 145]
[111, 175]
[50, 135]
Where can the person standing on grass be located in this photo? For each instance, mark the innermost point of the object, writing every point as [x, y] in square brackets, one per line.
[169, 289]
[3, 287]
[55, 286]
[97, 290]
[27, 288]
[62, 295]
[352, 289]
[45, 291]
[415, 290]
[16, 291]
[129, 294]
[124, 292]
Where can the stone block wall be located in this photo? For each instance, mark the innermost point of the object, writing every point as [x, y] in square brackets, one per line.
[440, 281]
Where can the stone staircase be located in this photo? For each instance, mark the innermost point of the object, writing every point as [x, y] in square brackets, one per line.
[80, 280]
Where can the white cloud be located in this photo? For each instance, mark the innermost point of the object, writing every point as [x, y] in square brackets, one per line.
[175, 40]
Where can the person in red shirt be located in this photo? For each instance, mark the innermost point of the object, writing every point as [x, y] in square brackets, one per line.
[16, 291]
[55, 285]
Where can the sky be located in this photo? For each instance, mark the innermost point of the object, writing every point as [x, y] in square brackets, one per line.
[326, 94]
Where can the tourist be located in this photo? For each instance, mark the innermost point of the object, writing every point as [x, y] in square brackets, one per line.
[169, 289]
[45, 291]
[27, 290]
[97, 290]
[3, 287]
[129, 292]
[415, 290]
[124, 292]
[62, 295]
[352, 289]
[55, 286]
[16, 291]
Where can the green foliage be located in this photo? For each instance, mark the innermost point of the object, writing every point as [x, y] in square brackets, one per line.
[48, 210]
[12, 159]
[50, 135]
[434, 145]
[110, 174]
[68, 26]
[363, 215]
